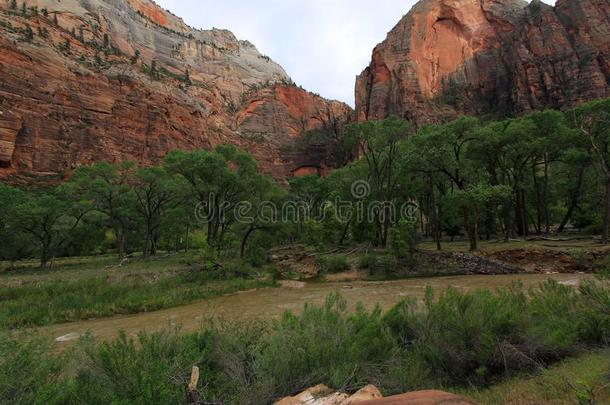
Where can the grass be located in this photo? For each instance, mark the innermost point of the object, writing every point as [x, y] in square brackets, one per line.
[77, 290]
[452, 340]
[463, 246]
[582, 380]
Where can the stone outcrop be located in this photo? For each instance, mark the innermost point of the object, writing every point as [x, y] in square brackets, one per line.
[421, 398]
[107, 80]
[502, 57]
[370, 395]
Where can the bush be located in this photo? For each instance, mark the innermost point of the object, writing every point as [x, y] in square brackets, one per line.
[333, 264]
[453, 339]
[379, 265]
[367, 262]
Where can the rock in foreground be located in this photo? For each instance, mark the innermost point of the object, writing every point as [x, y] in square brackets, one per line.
[370, 395]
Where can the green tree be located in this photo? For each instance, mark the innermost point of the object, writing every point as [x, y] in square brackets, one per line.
[156, 192]
[14, 243]
[187, 77]
[377, 142]
[218, 181]
[592, 121]
[51, 219]
[444, 150]
[107, 186]
[28, 33]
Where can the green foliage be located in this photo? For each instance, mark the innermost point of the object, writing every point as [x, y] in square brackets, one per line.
[66, 301]
[403, 238]
[29, 371]
[28, 33]
[333, 264]
[379, 265]
[452, 339]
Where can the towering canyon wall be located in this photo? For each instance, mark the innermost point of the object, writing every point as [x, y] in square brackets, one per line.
[500, 57]
[110, 80]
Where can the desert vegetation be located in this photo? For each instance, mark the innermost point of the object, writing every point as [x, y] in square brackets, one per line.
[452, 340]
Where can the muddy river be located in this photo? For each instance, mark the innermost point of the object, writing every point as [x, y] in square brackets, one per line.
[272, 302]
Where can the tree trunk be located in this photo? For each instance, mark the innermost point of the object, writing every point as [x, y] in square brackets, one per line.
[474, 239]
[606, 213]
[573, 201]
[188, 229]
[470, 229]
[345, 231]
[539, 209]
[545, 196]
[244, 241]
[120, 242]
[522, 227]
[45, 256]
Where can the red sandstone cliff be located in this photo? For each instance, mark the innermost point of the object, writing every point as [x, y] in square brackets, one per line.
[447, 57]
[107, 80]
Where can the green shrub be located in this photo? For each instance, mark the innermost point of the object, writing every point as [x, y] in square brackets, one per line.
[333, 264]
[452, 339]
[379, 265]
[367, 262]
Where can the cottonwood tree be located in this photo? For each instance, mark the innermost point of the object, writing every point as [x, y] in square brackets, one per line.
[51, 219]
[377, 143]
[156, 192]
[592, 120]
[14, 242]
[218, 181]
[108, 187]
[444, 149]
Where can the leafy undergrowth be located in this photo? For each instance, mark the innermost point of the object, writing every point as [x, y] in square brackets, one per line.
[583, 380]
[452, 339]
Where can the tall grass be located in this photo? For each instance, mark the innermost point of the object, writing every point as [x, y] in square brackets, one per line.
[71, 300]
[452, 339]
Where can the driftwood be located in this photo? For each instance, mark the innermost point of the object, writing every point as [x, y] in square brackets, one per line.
[192, 394]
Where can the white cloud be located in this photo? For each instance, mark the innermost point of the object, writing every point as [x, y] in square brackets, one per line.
[322, 44]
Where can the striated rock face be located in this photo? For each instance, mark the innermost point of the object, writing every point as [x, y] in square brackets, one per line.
[447, 57]
[125, 79]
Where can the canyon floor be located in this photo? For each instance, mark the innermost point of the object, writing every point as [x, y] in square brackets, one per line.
[100, 298]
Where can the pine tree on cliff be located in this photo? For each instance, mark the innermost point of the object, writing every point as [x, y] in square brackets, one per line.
[135, 57]
[29, 34]
[154, 75]
[24, 10]
[187, 77]
[13, 5]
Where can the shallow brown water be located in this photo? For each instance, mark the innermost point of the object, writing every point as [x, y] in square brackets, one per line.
[272, 302]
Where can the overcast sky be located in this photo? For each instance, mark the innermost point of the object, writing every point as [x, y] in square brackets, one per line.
[322, 44]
